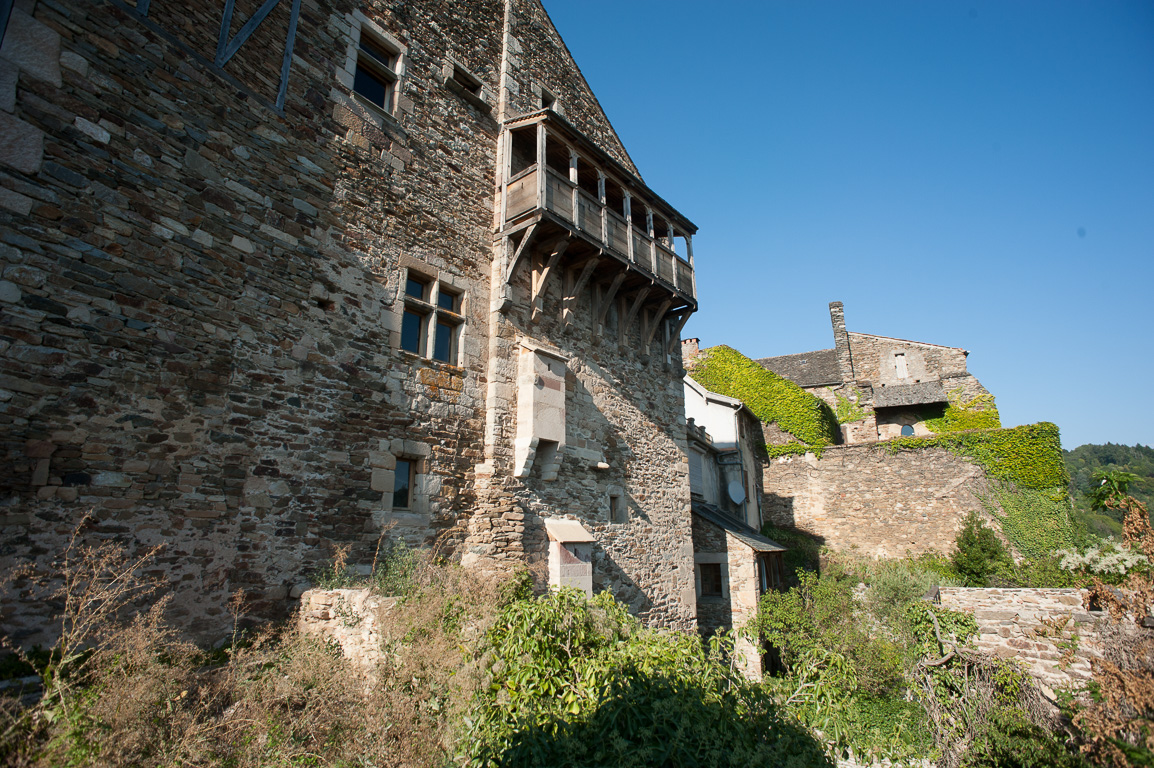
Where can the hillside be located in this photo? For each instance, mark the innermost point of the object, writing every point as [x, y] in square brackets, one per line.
[1084, 460]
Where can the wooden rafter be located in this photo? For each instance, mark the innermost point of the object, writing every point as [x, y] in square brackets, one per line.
[635, 306]
[607, 301]
[654, 323]
[541, 279]
[578, 285]
[521, 247]
[675, 330]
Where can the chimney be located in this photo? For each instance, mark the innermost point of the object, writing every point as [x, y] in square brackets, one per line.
[841, 341]
[689, 349]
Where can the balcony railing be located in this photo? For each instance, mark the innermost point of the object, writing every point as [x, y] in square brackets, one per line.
[594, 196]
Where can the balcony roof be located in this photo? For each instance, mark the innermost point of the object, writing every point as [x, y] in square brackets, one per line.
[590, 148]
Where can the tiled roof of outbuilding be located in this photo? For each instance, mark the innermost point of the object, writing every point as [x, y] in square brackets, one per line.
[808, 369]
[743, 532]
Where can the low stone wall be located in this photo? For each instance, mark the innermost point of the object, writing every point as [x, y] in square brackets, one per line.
[1048, 630]
[350, 617]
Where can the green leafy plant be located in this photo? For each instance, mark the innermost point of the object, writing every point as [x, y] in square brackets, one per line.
[979, 412]
[848, 411]
[772, 398]
[979, 554]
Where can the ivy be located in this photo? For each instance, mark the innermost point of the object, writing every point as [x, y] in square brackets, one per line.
[772, 398]
[848, 411]
[1036, 522]
[1029, 456]
[979, 412]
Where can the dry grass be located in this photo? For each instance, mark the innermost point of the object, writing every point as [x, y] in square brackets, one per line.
[125, 690]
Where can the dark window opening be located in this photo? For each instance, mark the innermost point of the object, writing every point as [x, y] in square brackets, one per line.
[413, 332]
[375, 79]
[523, 150]
[416, 287]
[403, 483]
[445, 342]
[547, 99]
[467, 81]
[618, 511]
[448, 300]
[710, 579]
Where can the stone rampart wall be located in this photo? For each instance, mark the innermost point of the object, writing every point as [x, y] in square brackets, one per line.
[1048, 631]
[881, 504]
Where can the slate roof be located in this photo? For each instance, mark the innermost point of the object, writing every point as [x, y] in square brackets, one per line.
[743, 532]
[909, 394]
[808, 369]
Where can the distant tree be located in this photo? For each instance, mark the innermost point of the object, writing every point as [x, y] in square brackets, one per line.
[979, 552]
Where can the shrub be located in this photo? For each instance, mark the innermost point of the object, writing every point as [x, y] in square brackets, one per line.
[979, 554]
[572, 682]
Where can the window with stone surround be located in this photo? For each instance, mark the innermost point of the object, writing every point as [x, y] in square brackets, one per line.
[432, 319]
[405, 481]
[374, 69]
[710, 575]
[618, 510]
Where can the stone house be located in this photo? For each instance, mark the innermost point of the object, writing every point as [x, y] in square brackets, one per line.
[284, 280]
[896, 382]
[734, 563]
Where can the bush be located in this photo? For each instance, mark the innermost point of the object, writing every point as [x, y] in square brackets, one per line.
[572, 682]
[979, 554]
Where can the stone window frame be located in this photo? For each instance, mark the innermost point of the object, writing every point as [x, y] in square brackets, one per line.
[431, 312]
[709, 558]
[545, 98]
[358, 23]
[618, 506]
[416, 467]
[461, 80]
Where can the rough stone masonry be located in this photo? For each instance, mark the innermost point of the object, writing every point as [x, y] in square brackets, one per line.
[258, 299]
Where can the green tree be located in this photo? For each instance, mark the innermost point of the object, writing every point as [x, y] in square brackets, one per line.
[979, 552]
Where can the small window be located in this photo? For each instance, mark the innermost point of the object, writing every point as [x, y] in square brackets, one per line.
[900, 367]
[375, 78]
[413, 332]
[467, 81]
[547, 99]
[445, 342]
[448, 299]
[416, 287]
[907, 430]
[403, 477]
[618, 510]
[710, 579]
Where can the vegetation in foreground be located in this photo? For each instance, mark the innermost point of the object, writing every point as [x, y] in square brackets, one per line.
[475, 674]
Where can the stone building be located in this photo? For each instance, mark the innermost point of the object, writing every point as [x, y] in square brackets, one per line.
[734, 563]
[896, 382]
[297, 275]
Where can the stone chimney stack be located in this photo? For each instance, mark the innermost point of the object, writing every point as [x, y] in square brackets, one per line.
[689, 349]
[841, 341]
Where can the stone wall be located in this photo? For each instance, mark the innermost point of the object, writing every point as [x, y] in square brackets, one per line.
[738, 605]
[865, 498]
[352, 618]
[202, 295]
[1048, 631]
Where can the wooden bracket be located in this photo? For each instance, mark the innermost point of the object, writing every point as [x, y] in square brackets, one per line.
[541, 280]
[675, 331]
[521, 248]
[654, 323]
[576, 286]
[635, 307]
[607, 302]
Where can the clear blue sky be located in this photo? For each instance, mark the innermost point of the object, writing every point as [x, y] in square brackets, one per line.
[975, 174]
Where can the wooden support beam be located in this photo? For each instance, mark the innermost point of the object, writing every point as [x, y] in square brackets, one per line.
[635, 306]
[516, 260]
[541, 279]
[607, 302]
[675, 331]
[654, 324]
[576, 286]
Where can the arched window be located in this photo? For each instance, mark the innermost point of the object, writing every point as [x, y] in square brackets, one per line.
[907, 430]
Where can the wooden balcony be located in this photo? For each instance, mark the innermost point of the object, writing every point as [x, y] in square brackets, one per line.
[558, 185]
